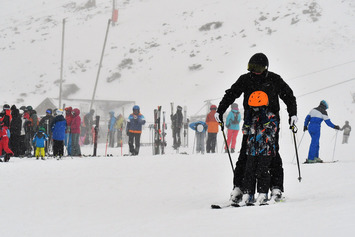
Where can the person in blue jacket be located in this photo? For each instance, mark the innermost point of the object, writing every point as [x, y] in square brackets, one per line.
[200, 133]
[39, 140]
[134, 130]
[58, 133]
[312, 123]
[232, 123]
[111, 129]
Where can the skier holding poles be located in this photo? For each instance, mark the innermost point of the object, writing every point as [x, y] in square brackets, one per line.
[259, 78]
[312, 123]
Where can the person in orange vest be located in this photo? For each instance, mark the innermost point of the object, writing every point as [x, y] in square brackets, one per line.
[212, 130]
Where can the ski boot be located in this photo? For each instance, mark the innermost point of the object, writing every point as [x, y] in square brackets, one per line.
[308, 161]
[236, 195]
[318, 160]
[276, 195]
[247, 200]
[261, 199]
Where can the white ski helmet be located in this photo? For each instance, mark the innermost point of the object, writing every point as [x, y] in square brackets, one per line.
[199, 128]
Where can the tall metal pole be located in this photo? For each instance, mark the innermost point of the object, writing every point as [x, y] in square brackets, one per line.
[98, 71]
[61, 67]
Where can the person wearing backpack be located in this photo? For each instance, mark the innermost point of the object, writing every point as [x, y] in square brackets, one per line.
[232, 123]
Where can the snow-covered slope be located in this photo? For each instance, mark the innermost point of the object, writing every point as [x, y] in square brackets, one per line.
[166, 195]
[184, 52]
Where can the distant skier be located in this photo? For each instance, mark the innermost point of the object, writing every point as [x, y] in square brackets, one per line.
[200, 129]
[176, 123]
[5, 121]
[347, 129]
[111, 129]
[39, 141]
[134, 130]
[232, 123]
[119, 127]
[212, 130]
[68, 139]
[28, 134]
[312, 123]
[46, 123]
[15, 131]
[58, 129]
[75, 133]
[87, 126]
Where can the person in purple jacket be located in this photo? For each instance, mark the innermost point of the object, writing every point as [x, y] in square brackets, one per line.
[312, 123]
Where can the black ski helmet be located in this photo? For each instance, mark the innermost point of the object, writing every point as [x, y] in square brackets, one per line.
[258, 63]
[6, 107]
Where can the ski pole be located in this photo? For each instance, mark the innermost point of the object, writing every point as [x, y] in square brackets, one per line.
[294, 131]
[336, 135]
[225, 140]
[108, 132]
[298, 147]
[193, 147]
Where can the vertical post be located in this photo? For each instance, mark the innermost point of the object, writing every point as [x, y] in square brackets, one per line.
[61, 67]
[98, 71]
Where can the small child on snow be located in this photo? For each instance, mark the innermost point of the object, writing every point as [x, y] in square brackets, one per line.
[39, 142]
[260, 126]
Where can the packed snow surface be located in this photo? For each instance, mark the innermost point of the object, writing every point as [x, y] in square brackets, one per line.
[184, 52]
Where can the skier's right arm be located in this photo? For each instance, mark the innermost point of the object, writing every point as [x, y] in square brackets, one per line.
[231, 94]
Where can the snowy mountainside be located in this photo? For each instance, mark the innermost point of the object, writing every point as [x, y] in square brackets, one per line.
[188, 52]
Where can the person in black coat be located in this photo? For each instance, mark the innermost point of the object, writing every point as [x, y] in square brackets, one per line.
[259, 78]
[15, 131]
[176, 123]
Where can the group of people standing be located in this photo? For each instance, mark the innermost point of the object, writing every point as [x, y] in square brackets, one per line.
[211, 128]
[26, 134]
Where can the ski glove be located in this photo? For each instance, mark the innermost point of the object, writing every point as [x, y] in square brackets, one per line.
[293, 120]
[305, 128]
[218, 117]
[336, 127]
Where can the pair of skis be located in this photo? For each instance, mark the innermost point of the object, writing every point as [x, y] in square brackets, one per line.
[159, 142]
[233, 204]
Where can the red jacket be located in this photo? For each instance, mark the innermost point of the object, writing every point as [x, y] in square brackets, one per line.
[5, 121]
[76, 122]
[68, 115]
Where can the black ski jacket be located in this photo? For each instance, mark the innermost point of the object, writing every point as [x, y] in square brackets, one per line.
[271, 83]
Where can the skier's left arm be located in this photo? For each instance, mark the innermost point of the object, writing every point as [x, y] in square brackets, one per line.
[286, 95]
[330, 124]
[141, 119]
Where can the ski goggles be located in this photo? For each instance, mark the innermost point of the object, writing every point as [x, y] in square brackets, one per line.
[256, 68]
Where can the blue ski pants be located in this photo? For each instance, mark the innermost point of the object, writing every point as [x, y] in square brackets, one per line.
[314, 147]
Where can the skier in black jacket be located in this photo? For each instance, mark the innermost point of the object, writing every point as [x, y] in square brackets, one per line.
[259, 78]
[176, 122]
[15, 131]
